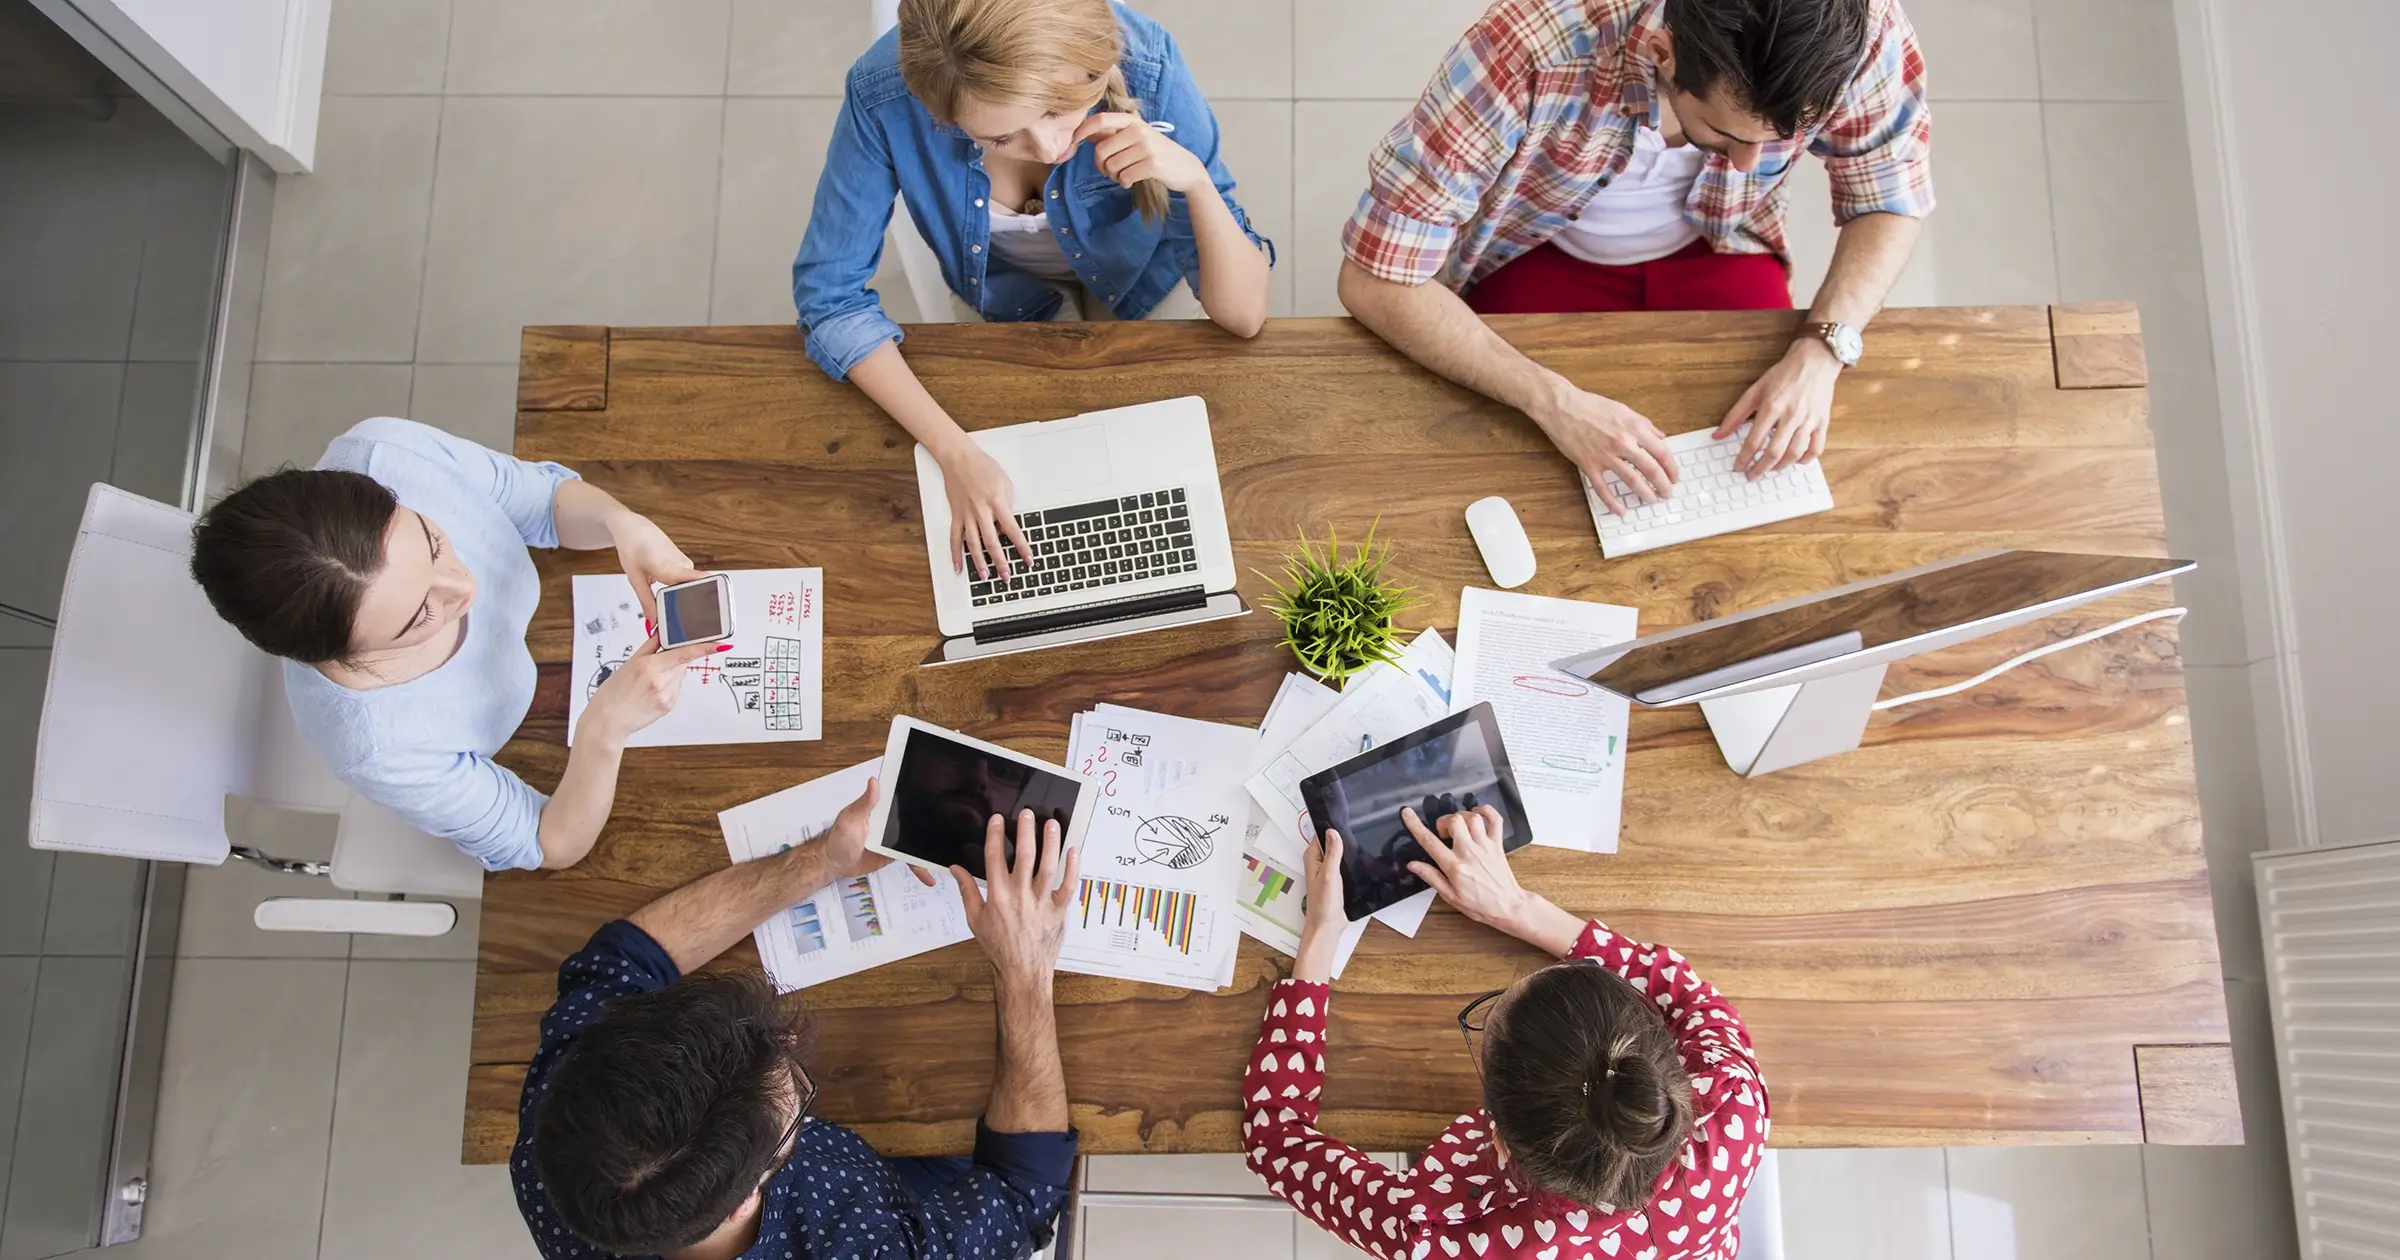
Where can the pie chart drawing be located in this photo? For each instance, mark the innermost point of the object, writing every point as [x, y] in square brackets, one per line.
[1175, 843]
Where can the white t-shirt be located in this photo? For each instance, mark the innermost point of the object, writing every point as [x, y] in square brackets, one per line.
[1024, 241]
[1638, 216]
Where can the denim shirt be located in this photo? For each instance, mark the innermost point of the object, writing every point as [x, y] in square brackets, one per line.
[885, 143]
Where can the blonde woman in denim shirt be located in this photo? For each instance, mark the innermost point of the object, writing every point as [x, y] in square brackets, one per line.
[1062, 163]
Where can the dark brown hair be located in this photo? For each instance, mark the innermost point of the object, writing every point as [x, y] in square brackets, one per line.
[1787, 61]
[287, 558]
[669, 1111]
[1585, 1085]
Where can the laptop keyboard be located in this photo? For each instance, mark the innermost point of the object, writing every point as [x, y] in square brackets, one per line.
[1107, 542]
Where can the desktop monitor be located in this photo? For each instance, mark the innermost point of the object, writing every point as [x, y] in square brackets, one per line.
[1796, 680]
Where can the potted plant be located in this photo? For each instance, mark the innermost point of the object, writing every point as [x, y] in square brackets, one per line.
[1336, 613]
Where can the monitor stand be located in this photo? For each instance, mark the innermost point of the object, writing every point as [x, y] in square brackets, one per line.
[1764, 731]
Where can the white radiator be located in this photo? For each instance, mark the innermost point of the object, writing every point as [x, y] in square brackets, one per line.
[2331, 919]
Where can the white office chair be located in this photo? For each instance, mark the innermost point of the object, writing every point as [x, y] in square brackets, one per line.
[919, 268]
[157, 711]
[1762, 1212]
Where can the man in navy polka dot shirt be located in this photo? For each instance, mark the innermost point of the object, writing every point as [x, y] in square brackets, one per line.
[669, 1117]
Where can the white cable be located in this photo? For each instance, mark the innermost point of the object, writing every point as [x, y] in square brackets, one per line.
[2036, 654]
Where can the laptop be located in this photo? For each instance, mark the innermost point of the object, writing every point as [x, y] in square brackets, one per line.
[1122, 511]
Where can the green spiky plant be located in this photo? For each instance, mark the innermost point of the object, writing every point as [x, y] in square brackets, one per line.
[1336, 613]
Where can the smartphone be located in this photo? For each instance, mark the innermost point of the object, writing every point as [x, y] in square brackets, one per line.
[696, 612]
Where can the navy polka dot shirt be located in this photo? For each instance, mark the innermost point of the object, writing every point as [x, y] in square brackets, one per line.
[836, 1196]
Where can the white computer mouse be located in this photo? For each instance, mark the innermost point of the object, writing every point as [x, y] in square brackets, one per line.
[1501, 539]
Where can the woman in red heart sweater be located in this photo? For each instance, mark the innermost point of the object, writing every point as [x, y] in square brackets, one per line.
[1623, 1110]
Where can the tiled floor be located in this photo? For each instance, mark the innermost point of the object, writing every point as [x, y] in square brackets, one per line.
[486, 166]
[108, 236]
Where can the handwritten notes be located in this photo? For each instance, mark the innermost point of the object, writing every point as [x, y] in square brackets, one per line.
[767, 689]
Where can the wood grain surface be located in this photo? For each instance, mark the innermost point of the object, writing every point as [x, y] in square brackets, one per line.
[2188, 1096]
[2099, 346]
[1956, 934]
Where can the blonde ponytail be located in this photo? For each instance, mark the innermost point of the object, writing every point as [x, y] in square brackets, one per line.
[1149, 196]
[1013, 52]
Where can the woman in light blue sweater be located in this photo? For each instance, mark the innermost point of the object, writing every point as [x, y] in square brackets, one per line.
[394, 580]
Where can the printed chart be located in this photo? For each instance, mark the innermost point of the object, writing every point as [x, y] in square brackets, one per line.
[1140, 910]
[853, 923]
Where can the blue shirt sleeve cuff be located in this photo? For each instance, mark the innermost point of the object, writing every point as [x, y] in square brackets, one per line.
[635, 946]
[1046, 1159]
[838, 342]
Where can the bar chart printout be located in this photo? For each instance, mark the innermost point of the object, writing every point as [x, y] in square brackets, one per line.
[1138, 912]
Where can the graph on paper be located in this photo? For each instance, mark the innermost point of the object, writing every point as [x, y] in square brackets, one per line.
[1270, 892]
[1141, 910]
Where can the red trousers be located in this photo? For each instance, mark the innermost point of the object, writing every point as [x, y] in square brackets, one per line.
[1547, 280]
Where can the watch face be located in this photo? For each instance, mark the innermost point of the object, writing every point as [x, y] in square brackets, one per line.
[1848, 345]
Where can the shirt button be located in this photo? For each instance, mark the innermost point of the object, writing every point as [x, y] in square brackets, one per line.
[1053, 194]
[974, 249]
[972, 280]
[979, 201]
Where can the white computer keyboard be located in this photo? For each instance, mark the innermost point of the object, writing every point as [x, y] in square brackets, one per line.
[1710, 499]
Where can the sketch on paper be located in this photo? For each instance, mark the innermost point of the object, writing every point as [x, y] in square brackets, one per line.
[1178, 844]
[765, 688]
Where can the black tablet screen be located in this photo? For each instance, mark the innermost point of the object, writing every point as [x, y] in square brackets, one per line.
[1454, 764]
[945, 792]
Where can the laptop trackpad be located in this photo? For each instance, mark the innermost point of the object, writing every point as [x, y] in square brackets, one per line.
[1069, 464]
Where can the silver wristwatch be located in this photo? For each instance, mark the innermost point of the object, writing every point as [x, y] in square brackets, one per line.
[1843, 339]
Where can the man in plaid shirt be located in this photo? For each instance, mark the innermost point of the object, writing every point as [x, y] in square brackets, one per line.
[1576, 155]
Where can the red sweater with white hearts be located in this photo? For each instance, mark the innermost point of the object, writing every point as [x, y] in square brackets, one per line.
[1460, 1199]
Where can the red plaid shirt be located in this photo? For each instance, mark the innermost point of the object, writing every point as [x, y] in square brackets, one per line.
[1535, 108]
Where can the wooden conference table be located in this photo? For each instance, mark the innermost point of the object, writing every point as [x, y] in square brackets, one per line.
[1991, 924]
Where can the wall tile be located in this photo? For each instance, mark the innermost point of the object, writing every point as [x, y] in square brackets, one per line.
[786, 49]
[476, 401]
[24, 871]
[156, 417]
[2108, 50]
[58, 425]
[394, 1187]
[567, 211]
[1237, 49]
[346, 258]
[1330, 143]
[296, 408]
[1992, 222]
[1374, 49]
[1865, 1204]
[774, 152]
[1190, 1233]
[589, 48]
[237, 1165]
[71, 229]
[2058, 1202]
[17, 977]
[1976, 50]
[70, 1090]
[387, 47]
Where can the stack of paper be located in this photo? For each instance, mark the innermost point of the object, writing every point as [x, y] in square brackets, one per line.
[1565, 737]
[853, 923]
[1308, 728]
[1154, 897]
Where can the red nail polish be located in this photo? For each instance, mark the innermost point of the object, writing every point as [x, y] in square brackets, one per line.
[724, 647]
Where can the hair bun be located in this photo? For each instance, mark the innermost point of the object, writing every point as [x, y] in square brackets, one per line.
[1631, 1104]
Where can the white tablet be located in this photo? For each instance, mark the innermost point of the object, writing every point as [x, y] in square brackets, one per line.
[941, 788]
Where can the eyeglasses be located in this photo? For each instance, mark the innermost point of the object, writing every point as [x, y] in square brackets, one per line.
[1471, 1020]
[805, 1087]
